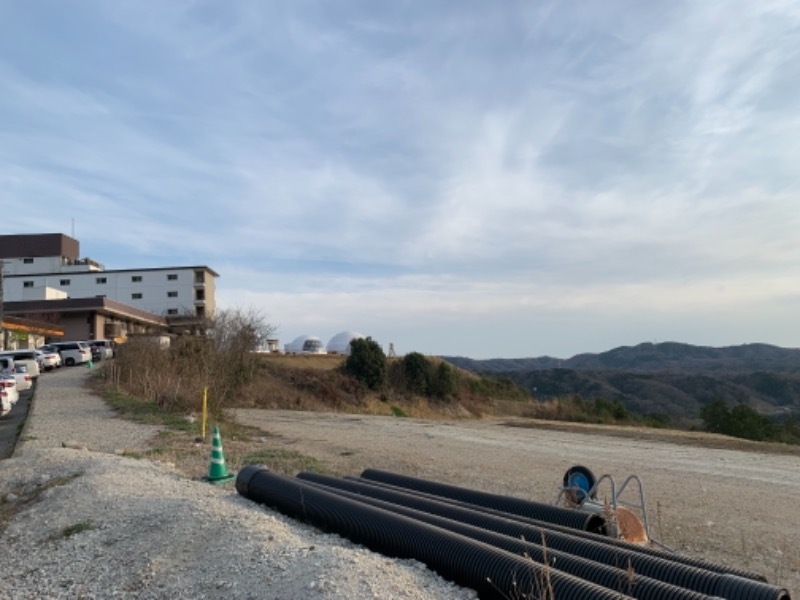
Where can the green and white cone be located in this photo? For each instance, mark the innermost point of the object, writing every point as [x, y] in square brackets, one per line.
[217, 472]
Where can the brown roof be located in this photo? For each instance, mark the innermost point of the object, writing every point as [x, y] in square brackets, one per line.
[102, 305]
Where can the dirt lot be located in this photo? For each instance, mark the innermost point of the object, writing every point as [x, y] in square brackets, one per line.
[732, 504]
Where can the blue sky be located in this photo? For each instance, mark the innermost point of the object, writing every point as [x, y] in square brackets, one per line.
[475, 178]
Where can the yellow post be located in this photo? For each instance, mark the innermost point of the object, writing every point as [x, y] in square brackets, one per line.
[205, 410]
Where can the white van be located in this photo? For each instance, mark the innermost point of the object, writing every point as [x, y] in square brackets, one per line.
[24, 357]
[73, 353]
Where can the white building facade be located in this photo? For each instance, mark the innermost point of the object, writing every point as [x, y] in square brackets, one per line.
[48, 267]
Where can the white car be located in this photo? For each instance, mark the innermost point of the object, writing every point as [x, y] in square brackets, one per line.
[26, 357]
[73, 353]
[50, 358]
[24, 379]
[5, 403]
[8, 388]
[106, 348]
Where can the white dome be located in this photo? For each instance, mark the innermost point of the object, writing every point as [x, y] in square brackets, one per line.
[340, 343]
[305, 344]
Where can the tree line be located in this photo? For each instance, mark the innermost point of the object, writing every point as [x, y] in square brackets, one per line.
[744, 422]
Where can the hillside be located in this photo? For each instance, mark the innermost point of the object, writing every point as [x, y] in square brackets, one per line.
[669, 378]
[653, 358]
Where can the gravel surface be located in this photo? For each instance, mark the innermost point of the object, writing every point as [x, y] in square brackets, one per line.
[126, 528]
[150, 533]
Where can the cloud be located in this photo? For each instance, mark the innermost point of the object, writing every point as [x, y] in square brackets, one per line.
[568, 160]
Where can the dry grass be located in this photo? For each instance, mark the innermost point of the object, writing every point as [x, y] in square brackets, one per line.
[325, 362]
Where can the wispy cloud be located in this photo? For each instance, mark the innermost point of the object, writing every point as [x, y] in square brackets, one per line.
[420, 164]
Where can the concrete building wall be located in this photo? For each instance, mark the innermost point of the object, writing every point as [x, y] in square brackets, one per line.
[31, 264]
[170, 291]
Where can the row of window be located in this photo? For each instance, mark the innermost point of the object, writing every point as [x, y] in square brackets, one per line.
[199, 294]
[138, 295]
[101, 280]
[198, 276]
[199, 311]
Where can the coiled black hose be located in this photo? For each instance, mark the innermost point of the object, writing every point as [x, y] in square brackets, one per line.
[492, 572]
[654, 567]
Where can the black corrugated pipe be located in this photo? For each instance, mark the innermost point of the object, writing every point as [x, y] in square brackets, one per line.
[566, 517]
[589, 533]
[649, 550]
[629, 582]
[492, 572]
[658, 568]
[736, 588]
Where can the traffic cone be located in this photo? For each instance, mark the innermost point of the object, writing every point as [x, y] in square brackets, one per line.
[217, 472]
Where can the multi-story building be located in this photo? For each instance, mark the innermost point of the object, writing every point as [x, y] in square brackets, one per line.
[45, 272]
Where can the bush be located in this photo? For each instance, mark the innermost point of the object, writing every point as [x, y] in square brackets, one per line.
[367, 363]
[444, 383]
[222, 361]
[417, 371]
[741, 421]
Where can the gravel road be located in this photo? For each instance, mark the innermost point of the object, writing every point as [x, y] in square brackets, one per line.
[109, 526]
[735, 508]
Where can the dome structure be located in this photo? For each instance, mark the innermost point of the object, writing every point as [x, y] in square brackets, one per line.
[340, 343]
[305, 344]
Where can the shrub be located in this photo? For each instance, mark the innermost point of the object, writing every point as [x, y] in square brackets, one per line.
[740, 421]
[417, 371]
[444, 383]
[174, 378]
[367, 363]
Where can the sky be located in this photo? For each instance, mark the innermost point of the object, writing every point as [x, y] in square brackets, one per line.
[483, 179]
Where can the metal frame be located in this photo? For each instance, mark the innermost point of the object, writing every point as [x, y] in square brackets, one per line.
[615, 500]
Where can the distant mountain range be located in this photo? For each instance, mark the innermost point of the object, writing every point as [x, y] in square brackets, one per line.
[668, 378]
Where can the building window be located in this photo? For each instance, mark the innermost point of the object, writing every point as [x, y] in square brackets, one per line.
[136, 278]
[200, 295]
[64, 282]
[172, 311]
[172, 277]
[199, 277]
[100, 280]
[200, 311]
[27, 261]
[136, 296]
[172, 294]
[27, 284]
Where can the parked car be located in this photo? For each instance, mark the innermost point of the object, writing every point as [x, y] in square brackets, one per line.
[49, 359]
[5, 403]
[26, 357]
[8, 387]
[24, 379]
[106, 348]
[73, 353]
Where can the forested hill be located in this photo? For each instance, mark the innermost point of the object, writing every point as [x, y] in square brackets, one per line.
[669, 378]
[667, 357]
